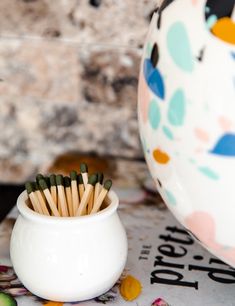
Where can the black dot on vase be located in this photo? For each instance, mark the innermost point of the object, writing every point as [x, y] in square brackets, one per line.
[159, 182]
[95, 3]
[155, 55]
[198, 257]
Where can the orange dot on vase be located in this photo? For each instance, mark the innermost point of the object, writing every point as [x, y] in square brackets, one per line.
[50, 303]
[161, 157]
[224, 29]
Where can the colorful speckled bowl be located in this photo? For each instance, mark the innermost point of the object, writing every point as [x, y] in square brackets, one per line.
[186, 112]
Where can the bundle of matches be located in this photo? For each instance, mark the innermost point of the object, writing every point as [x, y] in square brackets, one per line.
[78, 195]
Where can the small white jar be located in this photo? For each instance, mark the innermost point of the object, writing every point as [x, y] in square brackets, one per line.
[68, 259]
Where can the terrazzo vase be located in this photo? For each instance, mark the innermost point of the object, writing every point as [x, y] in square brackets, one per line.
[186, 111]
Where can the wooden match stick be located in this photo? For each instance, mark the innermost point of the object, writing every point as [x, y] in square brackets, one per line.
[81, 187]
[67, 184]
[53, 188]
[52, 204]
[42, 177]
[101, 197]
[61, 195]
[86, 196]
[59, 206]
[29, 186]
[91, 201]
[38, 178]
[98, 186]
[41, 199]
[84, 172]
[74, 189]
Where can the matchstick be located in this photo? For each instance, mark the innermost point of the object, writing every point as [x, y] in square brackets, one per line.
[91, 201]
[61, 195]
[74, 189]
[84, 172]
[52, 204]
[53, 188]
[29, 186]
[41, 199]
[101, 197]
[98, 186]
[81, 187]
[68, 192]
[59, 206]
[38, 178]
[86, 196]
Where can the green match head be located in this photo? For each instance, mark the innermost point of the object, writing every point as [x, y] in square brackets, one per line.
[29, 186]
[83, 168]
[47, 179]
[36, 186]
[108, 184]
[39, 177]
[53, 180]
[59, 180]
[73, 175]
[100, 177]
[43, 184]
[92, 180]
[67, 181]
[80, 179]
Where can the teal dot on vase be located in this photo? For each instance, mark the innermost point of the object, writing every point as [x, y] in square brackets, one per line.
[179, 47]
[143, 142]
[192, 161]
[168, 133]
[148, 50]
[170, 198]
[154, 114]
[209, 173]
[176, 110]
[207, 9]
[211, 21]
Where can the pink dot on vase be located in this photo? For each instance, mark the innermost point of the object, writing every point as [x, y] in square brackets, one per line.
[225, 123]
[199, 150]
[202, 225]
[143, 97]
[201, 134]
[228, 254]
[194, 2]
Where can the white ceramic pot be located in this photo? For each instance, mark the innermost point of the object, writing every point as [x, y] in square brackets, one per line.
[186, 113]
[68, 259]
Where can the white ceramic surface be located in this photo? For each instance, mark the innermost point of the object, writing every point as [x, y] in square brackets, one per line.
[186, 110]
[68, 259]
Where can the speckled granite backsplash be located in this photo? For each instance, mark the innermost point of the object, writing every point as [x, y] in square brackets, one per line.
[68, 80]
